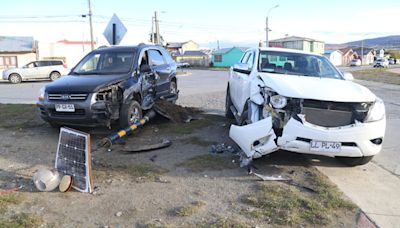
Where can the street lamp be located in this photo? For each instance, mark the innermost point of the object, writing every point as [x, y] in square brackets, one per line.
[267, 28]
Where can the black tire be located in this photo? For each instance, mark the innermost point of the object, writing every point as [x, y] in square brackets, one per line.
[15, 78]
[55, 75]
[355, 161]
[228, 104]
[130, 113]
[173, 89]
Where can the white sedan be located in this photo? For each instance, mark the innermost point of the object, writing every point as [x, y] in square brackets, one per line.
[298, 101]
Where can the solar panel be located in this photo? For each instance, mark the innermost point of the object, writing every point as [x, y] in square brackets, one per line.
[73, 158]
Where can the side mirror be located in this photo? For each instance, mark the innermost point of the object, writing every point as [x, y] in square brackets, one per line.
[242, 68]
[348, 76]
[145, 68]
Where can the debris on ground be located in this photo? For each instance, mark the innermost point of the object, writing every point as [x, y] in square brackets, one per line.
[46, 180]
[144, 148]
[222, 148]
[176, 113]
[270, 178]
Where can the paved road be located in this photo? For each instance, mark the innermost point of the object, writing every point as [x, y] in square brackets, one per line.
[374, 187]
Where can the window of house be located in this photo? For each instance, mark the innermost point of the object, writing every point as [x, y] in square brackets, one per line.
[218, 58]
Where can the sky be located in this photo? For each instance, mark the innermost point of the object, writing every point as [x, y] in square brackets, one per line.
[205, 21]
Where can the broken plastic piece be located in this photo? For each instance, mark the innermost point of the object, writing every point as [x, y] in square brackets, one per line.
[165, 143]
[256, 139]
[270, 178]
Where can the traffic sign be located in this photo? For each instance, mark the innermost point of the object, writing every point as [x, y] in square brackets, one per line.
[115, 31]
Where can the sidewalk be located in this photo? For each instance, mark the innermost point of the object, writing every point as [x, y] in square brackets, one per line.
[375, 190]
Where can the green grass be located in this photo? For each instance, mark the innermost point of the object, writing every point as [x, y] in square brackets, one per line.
[18, 116]
[22, 220]
[191, 209]
[377, 75]
[7, 199]
[145, 171]
[285, 205]
[224, 223]
[205, 162]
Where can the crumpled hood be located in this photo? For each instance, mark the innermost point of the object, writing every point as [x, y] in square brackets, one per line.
[327, 89]
[83, 83]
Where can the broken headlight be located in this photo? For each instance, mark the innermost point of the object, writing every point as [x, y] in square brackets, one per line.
[278, 101]
[377, 111]
[42, 94]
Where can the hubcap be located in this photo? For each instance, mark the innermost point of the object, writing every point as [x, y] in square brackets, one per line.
[134, 115]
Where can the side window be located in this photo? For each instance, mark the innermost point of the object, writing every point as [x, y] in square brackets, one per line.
[144, 60]
[245, 57]
[56, 63]
[167, 56]
[218, 58]
[156, 59]
[250, 60]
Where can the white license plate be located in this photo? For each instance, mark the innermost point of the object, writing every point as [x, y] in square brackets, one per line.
[65, 108]
[325, 146]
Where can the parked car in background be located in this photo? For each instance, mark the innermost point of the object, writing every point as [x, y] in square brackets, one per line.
[300, 102]
[36, 70]
[355, 62]
[381, 63]
[392, 61]
[110, 84]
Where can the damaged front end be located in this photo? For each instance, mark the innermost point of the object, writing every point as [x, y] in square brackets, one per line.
[311, 126]
[105, 104]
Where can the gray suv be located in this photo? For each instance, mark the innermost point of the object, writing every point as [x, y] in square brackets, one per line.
[42, 69]
[111, 84]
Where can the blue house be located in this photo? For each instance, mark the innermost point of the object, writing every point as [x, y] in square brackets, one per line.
[226, 57]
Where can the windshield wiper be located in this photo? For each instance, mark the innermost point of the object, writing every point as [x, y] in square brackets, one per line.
[273, 72]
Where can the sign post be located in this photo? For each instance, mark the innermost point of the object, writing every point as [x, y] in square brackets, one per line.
[115, 31]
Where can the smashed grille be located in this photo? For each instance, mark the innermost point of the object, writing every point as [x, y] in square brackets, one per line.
[334, 114]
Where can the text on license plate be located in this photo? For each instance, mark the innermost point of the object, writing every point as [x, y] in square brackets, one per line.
[325, 146]
[65, 108]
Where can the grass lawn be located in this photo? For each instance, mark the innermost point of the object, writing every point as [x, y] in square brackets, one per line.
[377, 75]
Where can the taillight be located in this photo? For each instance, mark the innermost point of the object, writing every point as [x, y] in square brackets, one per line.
[65, 65]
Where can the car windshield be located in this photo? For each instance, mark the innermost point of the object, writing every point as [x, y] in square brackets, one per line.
[297, 64]
[110, 62]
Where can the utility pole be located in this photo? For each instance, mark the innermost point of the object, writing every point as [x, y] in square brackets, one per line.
[267, 27]
[362, 51]
[217, 44]
[91, 26]
[156, 21]
[152, 30]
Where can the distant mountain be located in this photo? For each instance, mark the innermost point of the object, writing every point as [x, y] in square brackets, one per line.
[387, 42]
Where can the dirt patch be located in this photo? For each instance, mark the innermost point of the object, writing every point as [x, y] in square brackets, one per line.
[205, 162]
[377, 75]
[142, 189]
[176, 113]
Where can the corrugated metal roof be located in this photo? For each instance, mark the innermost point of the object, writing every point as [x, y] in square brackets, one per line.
[174, 45]
[16, 44]
[194, 53]
[226, 50]
[294, 38]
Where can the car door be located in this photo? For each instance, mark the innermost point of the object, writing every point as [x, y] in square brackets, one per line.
[43, 69]
[29, 71]
[245, 80]
[235, 82]
[161, 69]
[242, 78]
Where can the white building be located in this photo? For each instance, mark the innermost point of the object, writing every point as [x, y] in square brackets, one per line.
[335, 56]
[69, 51]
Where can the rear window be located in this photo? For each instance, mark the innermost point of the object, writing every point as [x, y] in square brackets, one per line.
[56, 62]
[43, 63]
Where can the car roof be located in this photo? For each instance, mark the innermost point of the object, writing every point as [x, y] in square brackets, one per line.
[287, 50]
[127, 48]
